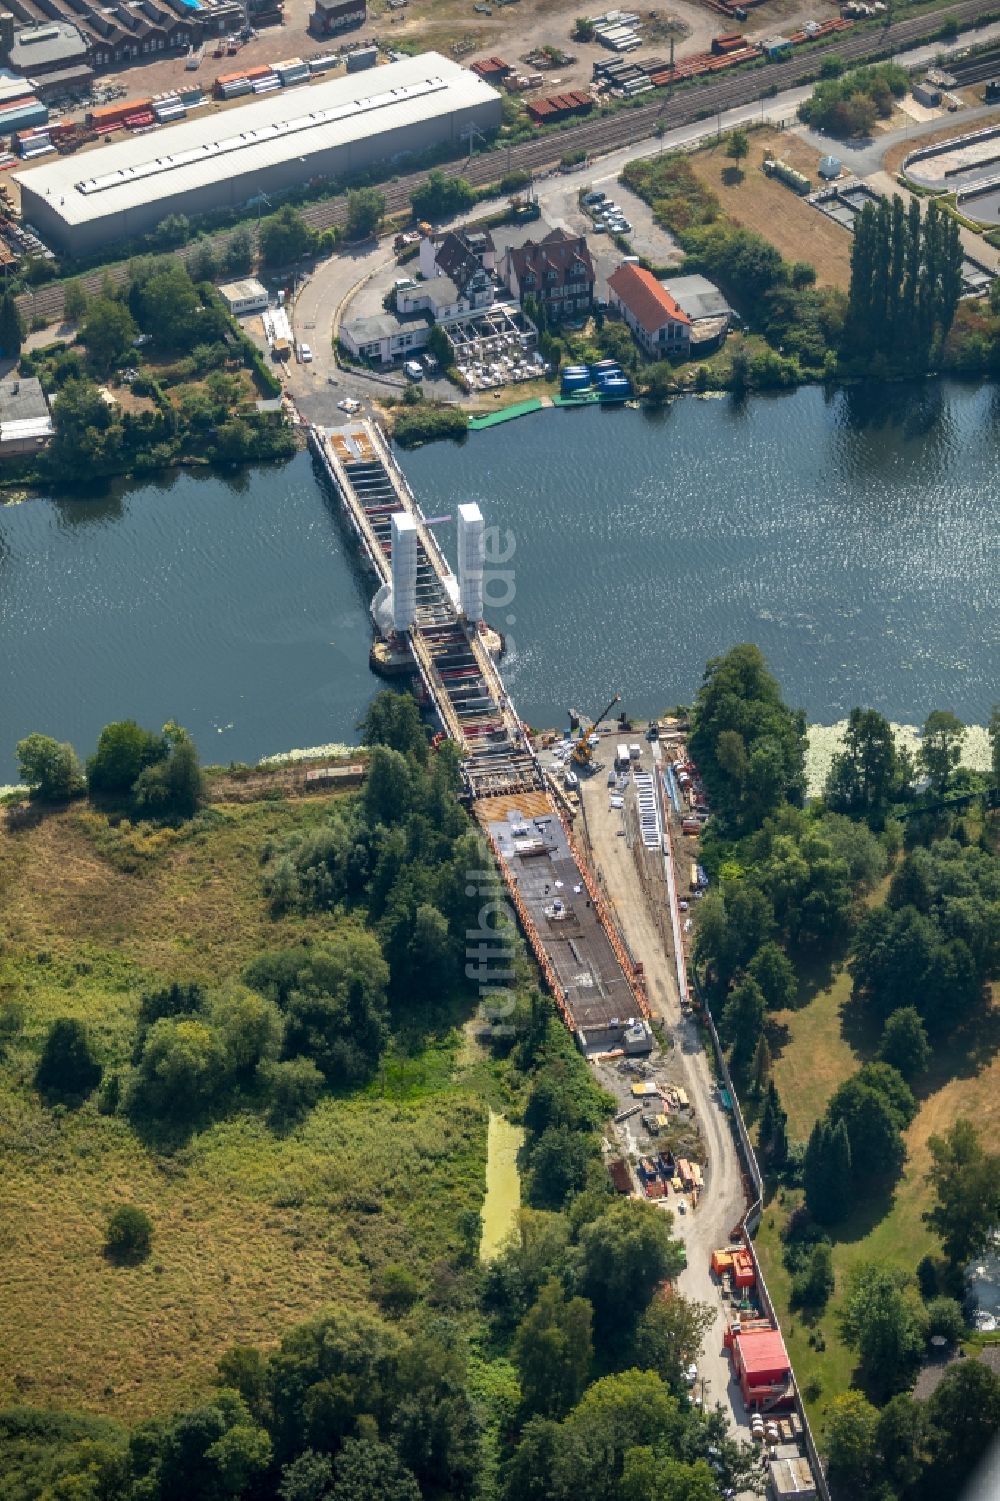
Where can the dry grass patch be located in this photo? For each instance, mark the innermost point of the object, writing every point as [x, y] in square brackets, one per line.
[773, 211]
[253, 1231]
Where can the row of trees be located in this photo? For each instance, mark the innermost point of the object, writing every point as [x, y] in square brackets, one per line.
[157, 774]
[906, 280]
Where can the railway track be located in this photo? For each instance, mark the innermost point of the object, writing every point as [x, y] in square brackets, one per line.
[594, 137]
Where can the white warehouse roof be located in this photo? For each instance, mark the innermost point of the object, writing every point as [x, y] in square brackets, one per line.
[237, 143]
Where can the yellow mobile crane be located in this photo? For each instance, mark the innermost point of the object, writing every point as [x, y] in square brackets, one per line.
[583, 750]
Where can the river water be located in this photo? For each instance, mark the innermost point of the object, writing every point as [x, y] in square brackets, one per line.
[855, 537]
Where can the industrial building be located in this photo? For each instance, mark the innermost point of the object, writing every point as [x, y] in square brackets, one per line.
[338, 127]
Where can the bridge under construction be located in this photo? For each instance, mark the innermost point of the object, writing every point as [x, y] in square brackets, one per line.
[431, 624]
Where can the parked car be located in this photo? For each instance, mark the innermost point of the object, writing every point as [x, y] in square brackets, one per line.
[594, 197]
[413, 371]
[305, 354]
[691, 1374]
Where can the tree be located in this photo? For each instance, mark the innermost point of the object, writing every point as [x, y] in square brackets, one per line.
[660, 381]
[904, 1042]
[238, 253]
[775, 974]
[670, 1335]
[440, 196]
[168, 308]
[293, 1088]
[123, 751]
[583, 30]
[75, 301]
[761, 1065]
[750, 748]
[553, 1351]
[366, 1470]
[203, 263]
[812, 1288]
[365, 212]
[945, 1320]
[11, 327]
[966, 1182]
[873, 1129]
[393, 720]
[827, 1171]
[285, 237]
[941, 747]
[963, 1416]
[249, 1027]
[738, 146]
[559, 1162]
[869, 770]
[616, 1414]
[307, 1478]
[173, 787]
[883, 1319]
[772, 1136]
[900, 1442]
[743, 1018]
[107, 333]
[68, 1068]
[851, 1428]
[182, 1069]
[129, 1236]
[51, 768]
[171, 232]
[624, 1255]
[734, 921]
[334, 1000]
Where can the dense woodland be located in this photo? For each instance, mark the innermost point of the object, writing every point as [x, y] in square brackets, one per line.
[895, 871]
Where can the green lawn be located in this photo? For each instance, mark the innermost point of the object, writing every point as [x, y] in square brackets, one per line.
[811, 1058]
[253, 1232]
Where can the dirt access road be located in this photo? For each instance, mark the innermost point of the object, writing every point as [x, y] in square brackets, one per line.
[723, 1200]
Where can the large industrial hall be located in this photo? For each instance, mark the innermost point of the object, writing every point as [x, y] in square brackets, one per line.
[333, 129]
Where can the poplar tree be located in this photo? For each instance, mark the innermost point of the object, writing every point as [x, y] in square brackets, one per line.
[761, 1065]
[772, 1136]
[906, 279]
[11, 327]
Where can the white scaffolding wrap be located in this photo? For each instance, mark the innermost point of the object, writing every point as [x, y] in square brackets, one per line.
[404, 571]
[471, 552]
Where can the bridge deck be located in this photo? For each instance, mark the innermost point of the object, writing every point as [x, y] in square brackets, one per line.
[563, 913]
[458, 672]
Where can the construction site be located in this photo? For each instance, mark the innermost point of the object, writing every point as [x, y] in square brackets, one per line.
[595, 833]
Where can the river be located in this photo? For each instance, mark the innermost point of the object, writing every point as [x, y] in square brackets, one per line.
[855, 536]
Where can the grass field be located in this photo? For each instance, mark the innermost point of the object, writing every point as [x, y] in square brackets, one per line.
[814, 1058]
[765, 205]
[253, 1231]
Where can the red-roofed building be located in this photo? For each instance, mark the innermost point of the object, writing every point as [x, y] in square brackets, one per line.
[660, 326]
[762, 1367]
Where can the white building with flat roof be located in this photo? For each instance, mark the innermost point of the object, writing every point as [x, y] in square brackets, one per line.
[334, 128]
[244, 297]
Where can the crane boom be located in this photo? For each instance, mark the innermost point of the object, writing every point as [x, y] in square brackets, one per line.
[584, 748]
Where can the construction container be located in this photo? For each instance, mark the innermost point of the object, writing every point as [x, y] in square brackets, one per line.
[110, 116]
[365, 57]
[23, 114]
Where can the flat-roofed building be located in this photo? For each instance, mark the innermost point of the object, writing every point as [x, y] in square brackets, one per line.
[335, 128]
[25, 421]
[244, 297]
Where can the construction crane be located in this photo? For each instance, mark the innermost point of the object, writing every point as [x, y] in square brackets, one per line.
[583, 750]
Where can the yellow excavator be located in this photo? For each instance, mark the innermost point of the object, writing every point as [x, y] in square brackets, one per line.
[583, 750]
